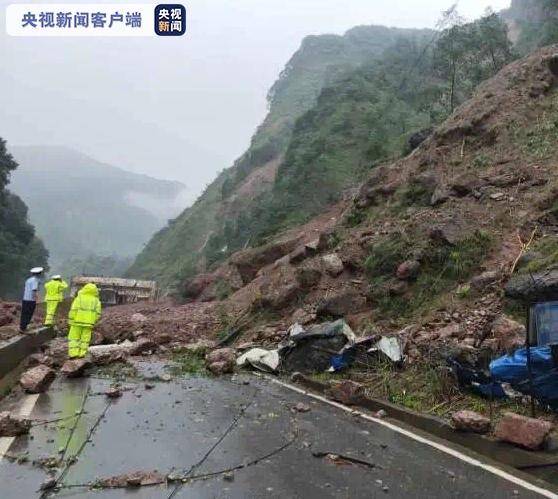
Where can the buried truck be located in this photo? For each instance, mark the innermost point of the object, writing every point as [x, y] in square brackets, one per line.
[118, 291]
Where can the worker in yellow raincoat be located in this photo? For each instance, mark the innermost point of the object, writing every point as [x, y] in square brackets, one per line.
[54, 295]
[84, 313]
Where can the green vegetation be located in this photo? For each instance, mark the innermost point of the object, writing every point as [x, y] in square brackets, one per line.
[442, 266]
[537, 21]
[211, 229]
[188, 363]
[468, 53]
[543, 255]
[342, 106]
[428, 387]
[19, 248]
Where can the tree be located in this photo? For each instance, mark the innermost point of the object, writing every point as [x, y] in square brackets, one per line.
[19, 248]
[468, 53]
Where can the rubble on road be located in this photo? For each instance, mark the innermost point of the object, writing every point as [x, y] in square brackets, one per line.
[134, 479]
[113, 392]
[107, 354]
[346, 391]
[37, 359]
[37, 379]
[57, 352]
[75, 368]
[301, 407]
[470, 421]
[523, 431]
[13, 426]
[221, 361]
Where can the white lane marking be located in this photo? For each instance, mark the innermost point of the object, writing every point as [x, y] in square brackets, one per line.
[25, 410]
[448, 450]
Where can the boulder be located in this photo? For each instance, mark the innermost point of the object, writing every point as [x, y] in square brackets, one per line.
[195, 286]
[439, 196]
[282, 262]
[105, 356]
[341, 304]
[134, 479]
[449, 234]
[13, 426]
[369, 194]
[250, 261]
[280, 297]
[298, 255]
[465, 184]
[221, 361]
[470, 421]
[534, 287]
[347, 392]
[302, 316]
[37, 359]
[485, 280]
[37, 379]
[75, 368]
[508, 333]
[408, 270]
[113, 392]
[523, 431]
[333, 264]
[58, 352]
[308, 277]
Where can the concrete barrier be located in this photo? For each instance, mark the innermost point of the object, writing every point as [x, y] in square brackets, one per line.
[14, 351]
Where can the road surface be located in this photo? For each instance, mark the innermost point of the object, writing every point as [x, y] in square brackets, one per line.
[199, 426]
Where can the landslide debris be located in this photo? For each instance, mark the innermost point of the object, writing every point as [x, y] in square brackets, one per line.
[421, 251]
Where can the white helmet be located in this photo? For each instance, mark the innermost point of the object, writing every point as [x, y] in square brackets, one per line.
[37, 270]
[57, 276]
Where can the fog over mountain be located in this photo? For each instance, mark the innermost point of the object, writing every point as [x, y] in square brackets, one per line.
[84, 208]
[184, 108]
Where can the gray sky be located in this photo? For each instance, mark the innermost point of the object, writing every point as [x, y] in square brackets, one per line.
[181, 108]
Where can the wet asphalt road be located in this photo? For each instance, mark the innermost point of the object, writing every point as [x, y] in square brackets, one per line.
[172, 426]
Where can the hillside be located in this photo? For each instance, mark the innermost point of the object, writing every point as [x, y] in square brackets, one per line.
[202, 235]
[86, 211]
[422, 251]
[20, 249]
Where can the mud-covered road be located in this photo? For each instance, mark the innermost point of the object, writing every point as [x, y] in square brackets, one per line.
[201, 427]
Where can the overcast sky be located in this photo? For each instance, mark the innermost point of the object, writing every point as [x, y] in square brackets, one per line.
[181, 108]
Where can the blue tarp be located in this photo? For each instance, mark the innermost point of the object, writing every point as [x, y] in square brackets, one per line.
[512, 369]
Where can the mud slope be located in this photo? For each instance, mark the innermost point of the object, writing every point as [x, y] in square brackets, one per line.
[427, 240]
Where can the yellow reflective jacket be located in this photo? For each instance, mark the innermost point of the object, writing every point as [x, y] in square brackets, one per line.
[55, 290]
[86, 307]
